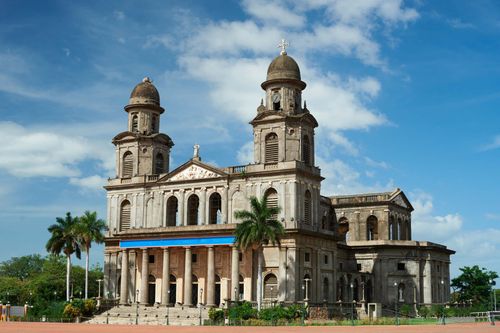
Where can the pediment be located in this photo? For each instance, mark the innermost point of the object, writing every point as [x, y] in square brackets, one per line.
[400, 199]
[193, 170]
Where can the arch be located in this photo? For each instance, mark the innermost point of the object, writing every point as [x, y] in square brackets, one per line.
[159, 163]
[217, 290]
[306, 150]
[194, 290]
[151, 289]
[125, 215]
[307, 207]
[372, 228]
[271, 148]
[127, 165]
[135, 123]
[172, 297]
[193, 210]
[326, 289]
[270, 286]
[215, 208]
[271, 196]
[343, 229]
[172, 211]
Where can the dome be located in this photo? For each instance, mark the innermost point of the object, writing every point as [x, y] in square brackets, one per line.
[283, 67]
[145, 93]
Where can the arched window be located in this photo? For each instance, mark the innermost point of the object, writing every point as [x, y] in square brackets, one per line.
[172, 209]
[127, 165]
[343, 229]
[159, 163]
[192, 213]
[372, 228]
[215, 208]
[272, 148]
[306, 150]
[270, 286]
[307, 207]
[153, 124]
[326, 290]
[125, 215]
[135, 123]
[272, 199]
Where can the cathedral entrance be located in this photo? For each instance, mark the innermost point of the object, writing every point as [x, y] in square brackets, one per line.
[152, 290]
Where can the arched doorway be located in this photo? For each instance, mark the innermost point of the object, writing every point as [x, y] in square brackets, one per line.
[193, 206]
[172, 209]
[217, 291]
[194, 290]
[151, 290]
[172, 298]
[215, 208]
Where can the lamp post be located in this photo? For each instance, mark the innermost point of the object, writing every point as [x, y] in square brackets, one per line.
[442, 310]
[55, 296]
[397, 300]
[200, 302]
[352, 304]
[168, 307]
[137, 307]
[304, 309]
[494, 296]
[99, 288]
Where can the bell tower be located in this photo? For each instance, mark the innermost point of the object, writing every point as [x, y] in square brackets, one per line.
[142, 149]
[283, 129]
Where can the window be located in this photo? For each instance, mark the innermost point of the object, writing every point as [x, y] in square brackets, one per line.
[326, 259]
[125, 215]
[306, 150]
[194, 257]
[372, 228]
[307, 257]
[193, 204]
[401, 266]
[127, 165]
[307, 207]
[343, 228]
[270, 286]
[172, 208]
[272, 200]
[240, 257]
[326, 289]
[272, 148]
[151, 259]
[135, 123]
[153, 124]
[159, 163]
[215, 209]
[341, 266]
[358, 267]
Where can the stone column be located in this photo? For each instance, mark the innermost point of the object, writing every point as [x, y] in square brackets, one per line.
[188, 278]
[180, 206]
[144, 277]
[211, 276]
[282, 276]
[107, 275]
[224, 204]
[203, 207]
[293, 201]
[124, 278]
[165, 280]
[235, 277]
[427, 282]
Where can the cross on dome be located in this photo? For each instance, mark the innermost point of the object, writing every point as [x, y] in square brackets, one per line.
[283, 45]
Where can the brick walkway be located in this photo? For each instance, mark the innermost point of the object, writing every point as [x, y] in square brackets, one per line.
[86, 328]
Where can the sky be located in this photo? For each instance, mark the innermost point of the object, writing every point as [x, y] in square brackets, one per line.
[406, 94]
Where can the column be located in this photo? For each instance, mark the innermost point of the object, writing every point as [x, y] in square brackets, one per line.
[235, 277]
[124, 278]
[427, 282]
[107, 275]
[165, 280]
[202, 213]
[224, 204]
[293, 201]
[282, 276]
[211, 276]
[144, 277]
[182, 219]
[188, 277]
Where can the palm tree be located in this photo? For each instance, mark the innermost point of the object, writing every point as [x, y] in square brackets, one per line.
[64, 239]
[89, 229]
[259, 226]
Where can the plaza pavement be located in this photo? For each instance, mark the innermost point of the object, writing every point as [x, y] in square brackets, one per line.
[17, 327]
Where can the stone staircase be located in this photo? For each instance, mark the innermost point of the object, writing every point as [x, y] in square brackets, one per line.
[151, 315]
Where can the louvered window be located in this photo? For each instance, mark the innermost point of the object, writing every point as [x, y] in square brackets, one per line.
[270, 287]
[306, 150]
[125, 216]
[135, 123]
[159, 162]
[127, 165]
[307, 207]
[272, 200]
[272, 148]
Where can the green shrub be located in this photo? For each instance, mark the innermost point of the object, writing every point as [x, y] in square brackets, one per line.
[242, 310]
[424, 311]
[216, 315]
[405, 310]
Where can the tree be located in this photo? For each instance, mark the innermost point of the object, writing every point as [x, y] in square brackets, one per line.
[64, 239]
[258, 227]
[22, 267]
[474, 284]
[89, 229]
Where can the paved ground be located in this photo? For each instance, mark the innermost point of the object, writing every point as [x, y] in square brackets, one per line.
[84, 328]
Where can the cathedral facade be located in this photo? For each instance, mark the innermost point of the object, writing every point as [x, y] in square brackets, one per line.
[170, 238]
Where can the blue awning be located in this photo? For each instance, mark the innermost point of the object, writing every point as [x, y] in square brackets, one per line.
[173, 242]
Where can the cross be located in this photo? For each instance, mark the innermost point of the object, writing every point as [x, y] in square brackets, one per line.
[283, 45]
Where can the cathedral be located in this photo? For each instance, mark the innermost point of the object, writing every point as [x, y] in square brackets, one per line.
[170, 240]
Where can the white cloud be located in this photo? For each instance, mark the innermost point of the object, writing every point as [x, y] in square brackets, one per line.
[245, 153]
[457, 23]
[273, 12]
[494, 144]
[91, 183]
[34, 152]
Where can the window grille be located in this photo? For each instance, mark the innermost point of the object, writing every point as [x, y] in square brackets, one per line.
[306, 150]
[125, 216]
[307, 207]
[159, 163]
[127, 165]
[272, 148]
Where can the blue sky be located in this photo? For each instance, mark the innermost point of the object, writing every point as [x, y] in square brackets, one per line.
[406, 94]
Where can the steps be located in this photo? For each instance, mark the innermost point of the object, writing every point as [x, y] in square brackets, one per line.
[151, 315]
